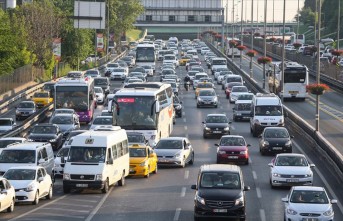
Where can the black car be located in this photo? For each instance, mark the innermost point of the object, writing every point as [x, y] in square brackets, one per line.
[46, 133]
[275, 140]
[177, 106]
[220, 192]
[216, 124]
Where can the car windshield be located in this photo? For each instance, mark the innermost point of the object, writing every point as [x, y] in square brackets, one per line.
[220, 180]
[20, 174]
[276, 133]
[44, 130]
[17, 156]
[239, 89]
[230, 85]
[26, 105]
[98, 90]
[91, 73]
[63, 111]
[268, 110]
[5, 122]
[136, 138]
[63, 152]
[41, 94]
[118, 70]
[245, 97]
[138, 152]
[205, 85]
[87, 154]
[242, 107]
[5, 143]
[100, 81]
[112, 65]
[61, 120]
[299, 161]
[102, 121]
[309, 196]
[169, 144]
[216, 119]
[233, 79]
[232, 141]
[206, 93]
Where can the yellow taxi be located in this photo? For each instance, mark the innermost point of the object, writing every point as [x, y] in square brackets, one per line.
[184, 60]
[203, 85]
[143, 160]
[42, 98]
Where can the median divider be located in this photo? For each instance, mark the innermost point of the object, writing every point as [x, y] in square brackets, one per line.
[316, 139]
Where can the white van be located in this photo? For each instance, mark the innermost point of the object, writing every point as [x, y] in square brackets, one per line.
[218, 63]
[266, 111]
[97, 159]
[28, 154]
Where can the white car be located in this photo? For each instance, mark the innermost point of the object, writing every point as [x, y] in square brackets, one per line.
[217, 73]
[130, 80]
[118, 73]
[148, 69]
[204, 50]
[308, 203]
[30, 182]
[7, 195]
[100, 95]
[6, 124]
[289, 169]
[5, 141]
[236, 91]
[109, 68]
[221, 76]
[101, 121]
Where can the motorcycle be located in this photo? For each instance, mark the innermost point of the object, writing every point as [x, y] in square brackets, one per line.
[187, 85]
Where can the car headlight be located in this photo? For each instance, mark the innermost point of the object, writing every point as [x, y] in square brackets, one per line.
[66, 176]
[226, 128]
[144, 163]
[17, 112]
[178, 107]
[199, 99]
[308, 175]
[52, 140]
[329, 212]
[276, 175]
[239, 201]
[215, 99]
[288, 143]
[281, 121]
[30, 140]
[98, 177]
[199, 199]
[178, 155]
[221, 152]
[31, 187]
[265, 143]
[291, 212]
[207, 128]
[257, 122]
[243, 152]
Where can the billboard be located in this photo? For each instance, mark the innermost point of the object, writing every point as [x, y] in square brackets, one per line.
[56, 48]
[90, 15]
[99, 42]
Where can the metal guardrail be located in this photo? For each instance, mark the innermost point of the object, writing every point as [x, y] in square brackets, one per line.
[319, 140]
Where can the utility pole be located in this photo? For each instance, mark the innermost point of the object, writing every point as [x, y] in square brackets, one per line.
[318, 63]
[252, 35]
[264, 43]
[283, 50]
[297, 36]
[338, 22]
[242, 38]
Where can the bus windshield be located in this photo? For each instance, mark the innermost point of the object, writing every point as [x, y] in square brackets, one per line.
[145, 54]
[135, 113]
[297, 77]
[72, 97]
[87, 154]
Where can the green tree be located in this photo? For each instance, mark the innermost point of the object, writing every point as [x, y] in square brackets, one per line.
[307, 16]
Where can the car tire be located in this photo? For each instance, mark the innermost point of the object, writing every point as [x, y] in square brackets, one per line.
[215, 106]
[196, 218]
[148, 174]
[242, 219]
[204, 136]
[49, 196]
[66, 190]
[36, 200]
[11, 207]
[198, 106]
[191, 162]
[121, 182]
[262, 152]
[254, 133]
[180, 114]
[106, 187]
[246, 162]
[156, 169]
[271, 185]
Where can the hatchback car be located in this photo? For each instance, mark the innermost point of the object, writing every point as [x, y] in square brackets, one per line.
[92, 73]
[46, 133]
[232, 148]
[100, 95]
[275, 140]
[25, 109]
[66, 123]
[220, 192]
[118, 73]
[216, 124]
[143, 160]
[290, 169]
[174, 151]
[30, 182]
[308, 203]
[7, 195]
[207, 98]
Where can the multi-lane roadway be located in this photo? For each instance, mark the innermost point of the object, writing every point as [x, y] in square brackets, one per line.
[167, 196]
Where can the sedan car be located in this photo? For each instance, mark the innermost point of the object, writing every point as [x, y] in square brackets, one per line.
[202, 86]
[118, 73]
[46, 133]
[30, 182]
[232, 148]
[308, 203]
[92, 73]
[174, 151]
[216, 124]
[100, 95]
[66, 123]
[143, 160]
[25, 109]
[7, 195]
[236, 91]
[149, 70]
[290, 169]
[101, 121]
[229, 88]
[275, 140]
[207, 98]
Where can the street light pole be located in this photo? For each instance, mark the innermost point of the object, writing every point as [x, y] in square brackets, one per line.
[233, 27]
[252, 35]
[338, 23]
[242, 39]
[297, 36]
[273, 17]
[264, 43]
[283, 49]
[223, 18]
[318, 63]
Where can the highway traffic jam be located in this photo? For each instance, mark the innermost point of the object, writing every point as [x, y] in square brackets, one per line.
[168, 132]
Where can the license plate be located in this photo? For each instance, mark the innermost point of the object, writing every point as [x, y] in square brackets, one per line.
[293, 92]
[162, 160]
[220, 210]
[132, 170]
[217, 132]
[233, 157]
[292, 180]
[81, 185]
[309, 219]
[277, 148]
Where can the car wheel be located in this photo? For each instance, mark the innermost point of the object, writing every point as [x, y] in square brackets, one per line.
[192, 160]
[262, 152]
[11, 207]
[148, 174]
[36, 200]
[218, 161]
[271, 184]
[121, 182]
[198, 106]
[242, 219]
[204, 136]
[246, 162]
[215, 106]
[254, 133]
[66, 189]
[156, 169]
[49, 196]
[196, 218]
[234, 118]
[180, 114]
[106, 187]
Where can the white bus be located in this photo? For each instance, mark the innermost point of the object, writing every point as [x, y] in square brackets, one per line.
[297, 38]
[145, 55]
[296, 79]
[97, 159]
[146, 108]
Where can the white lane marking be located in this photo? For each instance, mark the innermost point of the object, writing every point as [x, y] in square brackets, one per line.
[85, 200]
[185, 127]
[37, 219]
[177, 214]
[70, 204]
[258, 192]
[254, 175]
[184, 120]
[262, 215]
[328, 187]
[186, 174]
[55, 214]
[221, 107]
[183, 192]
[95, 210]
[63, 209]
[183, 113]
[250, 160]
[31, 211]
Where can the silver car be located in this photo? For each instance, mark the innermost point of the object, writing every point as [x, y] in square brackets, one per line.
[25, 109]
[66, 123]
[174, 151]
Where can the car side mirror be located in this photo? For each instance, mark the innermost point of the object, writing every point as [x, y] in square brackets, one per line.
[292, 136]
[217, 145]
[259, 136]
[194, 187]
[248, 145]
[285, 200]
[3, 192]
[180, 102]
[246, 188]
[312, 165]
[41, 161]
[333, 201]
[270, 164]
[40, 179]
[203, 122]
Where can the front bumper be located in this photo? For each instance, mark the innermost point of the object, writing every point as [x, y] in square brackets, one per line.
[280, 181]
[225, 158]
[136, 170]
[214, 132]
[23, 196]
[231, 212]
[79, 184]
[277, 149]
[209, 104]
[169, 161]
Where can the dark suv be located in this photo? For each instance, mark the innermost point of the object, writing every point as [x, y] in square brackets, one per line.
[46, 133]
[220, 192]
[216, 124]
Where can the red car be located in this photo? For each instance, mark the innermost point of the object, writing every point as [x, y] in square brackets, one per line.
[232, 148]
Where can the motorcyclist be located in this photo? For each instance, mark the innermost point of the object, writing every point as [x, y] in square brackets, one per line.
[187, 82]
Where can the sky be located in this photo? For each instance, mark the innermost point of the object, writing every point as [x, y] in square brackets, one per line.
[291, 9]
